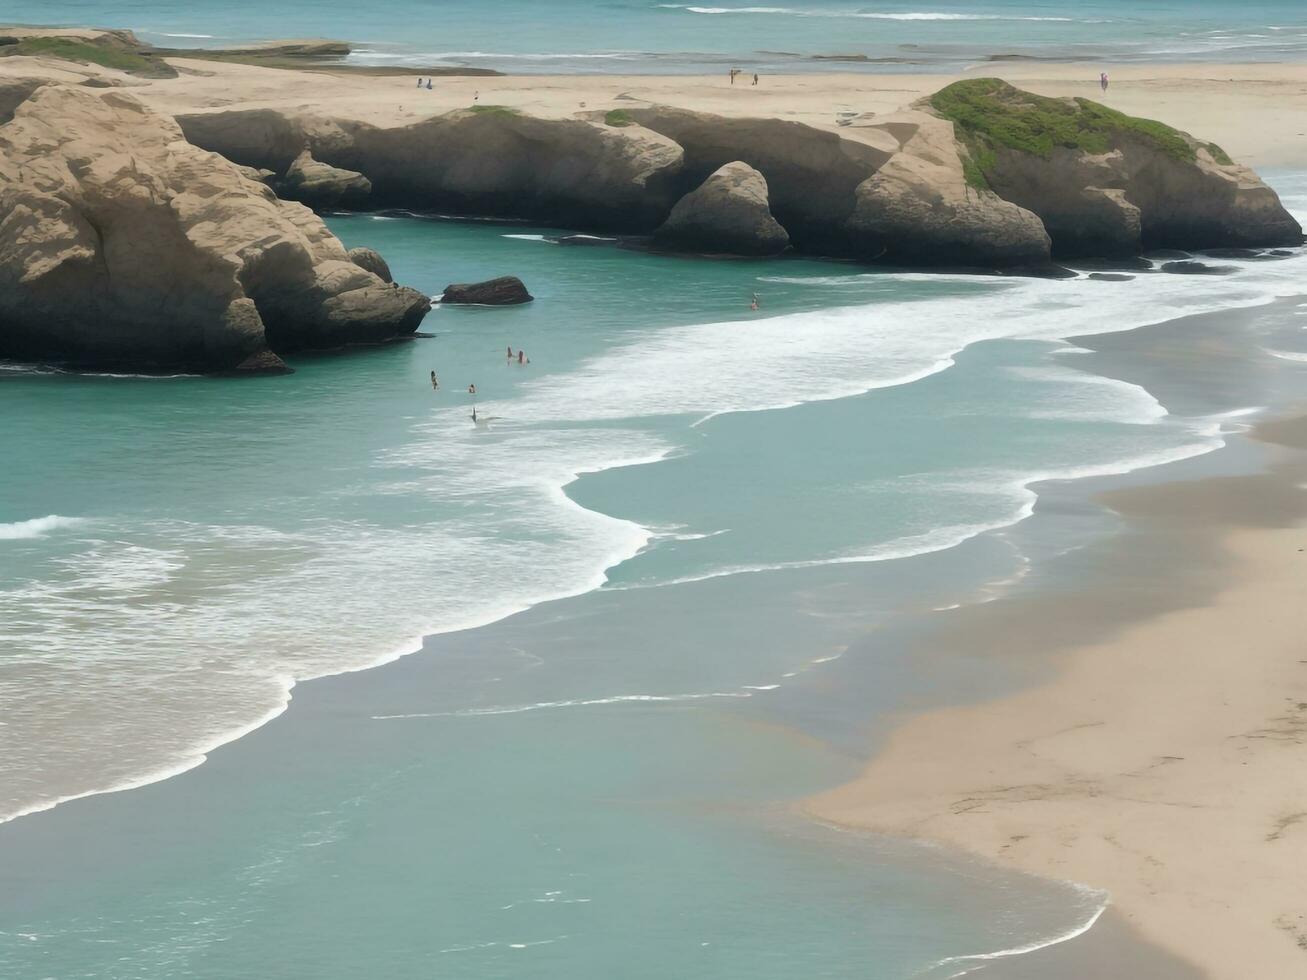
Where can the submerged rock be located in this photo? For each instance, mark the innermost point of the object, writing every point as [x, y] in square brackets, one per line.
[122, 244]
[728, 212]
[503, 291]
[1196, 269]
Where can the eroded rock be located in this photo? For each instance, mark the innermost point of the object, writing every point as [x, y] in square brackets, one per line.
[123, 244]
[728, 212]
[503, 291]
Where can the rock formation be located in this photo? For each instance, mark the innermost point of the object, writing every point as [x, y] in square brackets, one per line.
[918, 209]
[366, 258]
[728, 212]
[979, 175]
[1104, 183]
[504, 291]
[123, 244]
[321, 185]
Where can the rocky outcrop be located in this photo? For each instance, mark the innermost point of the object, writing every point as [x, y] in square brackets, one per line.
[487, 161]
[123, 244]
[979, 175]
[1108, 184]
[322, 185]
[812, 175]
[504, 291]
[366, 258]
[918, 209]
[728, 213]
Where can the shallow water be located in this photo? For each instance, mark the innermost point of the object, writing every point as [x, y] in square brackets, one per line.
[753, 502]
[643, 36]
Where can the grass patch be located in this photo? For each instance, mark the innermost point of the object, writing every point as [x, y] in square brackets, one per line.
[989, 114]
[1218, 154]
[493, 110]
[73, 50]
[618, 117]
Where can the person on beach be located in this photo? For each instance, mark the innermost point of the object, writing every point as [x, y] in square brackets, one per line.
[734, 72]
[1102, 80]
[419, 82]
[434, 383]
[428, 85]
[755, 78]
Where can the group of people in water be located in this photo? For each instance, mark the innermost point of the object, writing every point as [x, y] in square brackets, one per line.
[509, 356]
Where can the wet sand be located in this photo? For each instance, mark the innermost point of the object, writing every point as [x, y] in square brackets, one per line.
[1166, 759]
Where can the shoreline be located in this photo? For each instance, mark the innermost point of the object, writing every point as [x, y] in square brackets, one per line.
[1253, 110]
[1117, 772]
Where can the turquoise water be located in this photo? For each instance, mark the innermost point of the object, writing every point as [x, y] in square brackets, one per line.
[642, 36]
[623, 682]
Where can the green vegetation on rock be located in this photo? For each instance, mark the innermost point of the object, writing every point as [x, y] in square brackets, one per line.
[618, 117]
[1218, 154]
[493, 110]
[989, 114]
[71, 49]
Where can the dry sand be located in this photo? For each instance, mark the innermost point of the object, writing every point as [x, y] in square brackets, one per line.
[1258, 113]
[1166, 763]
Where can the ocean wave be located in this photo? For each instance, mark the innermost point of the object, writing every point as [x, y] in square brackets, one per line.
[37, 527]
[911, 15]
[1101, 901]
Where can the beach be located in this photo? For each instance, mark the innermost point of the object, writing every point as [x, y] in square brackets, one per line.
[571, 690]
[1255, 111]
[1164, 762]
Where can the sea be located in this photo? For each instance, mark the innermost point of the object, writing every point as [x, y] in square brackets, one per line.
[314, 676]
[646, 37]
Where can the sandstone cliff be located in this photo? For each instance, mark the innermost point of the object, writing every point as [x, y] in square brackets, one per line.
[123, 244]
[980, 175]
[727, 213]
[1104, 183]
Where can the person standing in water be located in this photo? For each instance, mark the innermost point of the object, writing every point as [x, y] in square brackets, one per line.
[434, 383]
[754, 304]
[510, 352]
[521, 357]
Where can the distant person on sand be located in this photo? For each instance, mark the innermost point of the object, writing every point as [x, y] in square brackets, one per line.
[419, 83]
[1102, 80]
[434, 382]
[734, 72]
[755, 78]
[428, 85]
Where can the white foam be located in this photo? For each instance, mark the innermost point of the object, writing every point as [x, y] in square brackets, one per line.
[1101, 897]
[37, 527]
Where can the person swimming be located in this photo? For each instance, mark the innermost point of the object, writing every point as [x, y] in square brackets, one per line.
[471, 389]
[753, 305]
[521, 356]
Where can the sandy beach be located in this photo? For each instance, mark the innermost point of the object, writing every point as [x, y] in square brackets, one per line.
[1165, 762]
[1256, 112]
